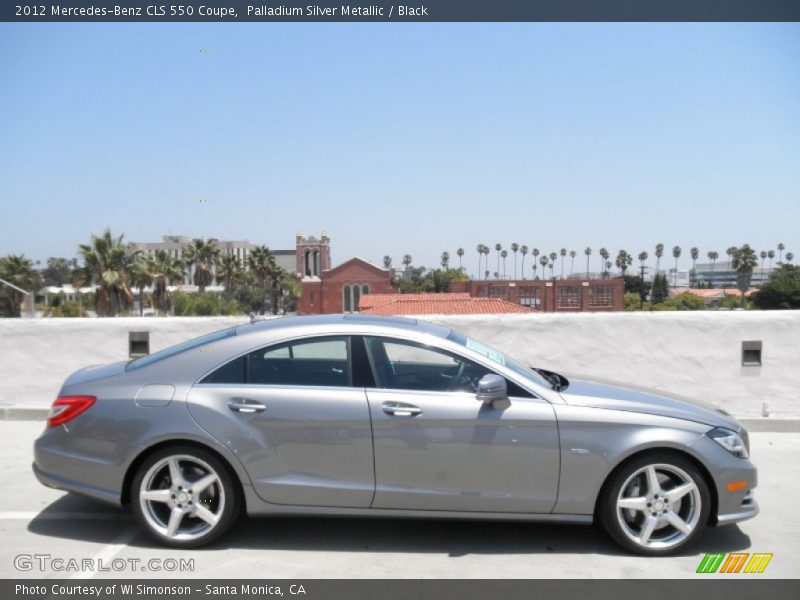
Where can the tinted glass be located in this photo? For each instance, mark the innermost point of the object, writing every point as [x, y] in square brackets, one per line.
[233, 372]
[404, 365]
[317, 362]
[182, 347]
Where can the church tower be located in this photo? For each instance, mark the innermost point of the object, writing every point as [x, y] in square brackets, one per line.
[313, 255]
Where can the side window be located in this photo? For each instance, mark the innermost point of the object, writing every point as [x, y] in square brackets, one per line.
[405, 365]
[316, 361]
[234, 372]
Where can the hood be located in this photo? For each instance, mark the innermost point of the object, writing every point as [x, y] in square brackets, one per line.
[96, 372]
[613, 397]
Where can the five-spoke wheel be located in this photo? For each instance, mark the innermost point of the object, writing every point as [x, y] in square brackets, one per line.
[184, 496]
[655, 503]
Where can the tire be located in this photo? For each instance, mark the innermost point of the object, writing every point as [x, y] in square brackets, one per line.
[174, 511]
[655, 519]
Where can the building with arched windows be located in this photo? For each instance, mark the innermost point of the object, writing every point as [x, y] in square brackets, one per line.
[339, 289]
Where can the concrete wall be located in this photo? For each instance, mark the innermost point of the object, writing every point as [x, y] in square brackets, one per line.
[695, 354]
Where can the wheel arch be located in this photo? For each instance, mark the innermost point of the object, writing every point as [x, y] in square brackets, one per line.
[683, 452]
[145, 453]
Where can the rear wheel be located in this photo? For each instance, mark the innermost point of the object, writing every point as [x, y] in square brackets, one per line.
[655, 504]
[184, 497]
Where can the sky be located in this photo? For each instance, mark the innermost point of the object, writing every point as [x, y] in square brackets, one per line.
[402, 138]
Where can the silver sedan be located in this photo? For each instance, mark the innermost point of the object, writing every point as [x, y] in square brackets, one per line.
[386, 417]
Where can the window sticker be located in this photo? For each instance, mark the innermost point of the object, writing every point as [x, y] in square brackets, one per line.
[486, 351]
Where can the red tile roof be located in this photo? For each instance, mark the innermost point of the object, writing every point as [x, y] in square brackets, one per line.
[713, 293]
[436, 304]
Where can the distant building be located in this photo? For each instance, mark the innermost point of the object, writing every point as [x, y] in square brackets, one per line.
[176, 244]
[436, 304]
[327, 289]
[561, 295]
[722, 275]
[712, 296]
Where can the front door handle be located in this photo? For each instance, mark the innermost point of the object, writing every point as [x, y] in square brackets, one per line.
[401, 409]
[245, 405]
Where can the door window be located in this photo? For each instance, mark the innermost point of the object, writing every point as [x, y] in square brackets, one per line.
[403, 365]
[310, 362]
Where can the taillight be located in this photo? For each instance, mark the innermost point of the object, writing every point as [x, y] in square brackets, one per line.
[67, 408]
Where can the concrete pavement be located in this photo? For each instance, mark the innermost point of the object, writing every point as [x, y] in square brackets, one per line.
[37, 520]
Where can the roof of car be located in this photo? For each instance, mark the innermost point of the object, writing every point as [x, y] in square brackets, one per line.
[342, 319]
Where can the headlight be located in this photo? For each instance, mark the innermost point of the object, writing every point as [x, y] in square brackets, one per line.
[729, 440]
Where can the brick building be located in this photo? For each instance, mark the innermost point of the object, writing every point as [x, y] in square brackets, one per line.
[563, 295]
[327, 290]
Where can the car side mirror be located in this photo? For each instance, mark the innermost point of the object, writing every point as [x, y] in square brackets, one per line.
[492, 387]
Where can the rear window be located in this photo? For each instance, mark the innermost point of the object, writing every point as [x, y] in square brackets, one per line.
[182, 347]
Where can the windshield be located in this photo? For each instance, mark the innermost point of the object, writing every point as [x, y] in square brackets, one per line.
[182, 347]
[499, 358]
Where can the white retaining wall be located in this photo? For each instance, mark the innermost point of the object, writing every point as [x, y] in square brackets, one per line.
[694, 354]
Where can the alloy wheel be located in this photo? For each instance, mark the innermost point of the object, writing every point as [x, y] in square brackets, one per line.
[182, 497]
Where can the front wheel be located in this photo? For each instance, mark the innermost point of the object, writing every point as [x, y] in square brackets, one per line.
[655, 504]
[184, 497]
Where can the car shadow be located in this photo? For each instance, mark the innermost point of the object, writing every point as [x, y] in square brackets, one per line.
[440, 536]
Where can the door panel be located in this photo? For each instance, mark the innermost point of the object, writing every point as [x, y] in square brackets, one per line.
[455, 453]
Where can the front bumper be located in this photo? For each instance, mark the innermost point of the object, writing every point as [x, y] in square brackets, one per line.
[749, 509]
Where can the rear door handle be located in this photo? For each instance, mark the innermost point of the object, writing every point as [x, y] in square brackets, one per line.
[245, 405]
[401, 409]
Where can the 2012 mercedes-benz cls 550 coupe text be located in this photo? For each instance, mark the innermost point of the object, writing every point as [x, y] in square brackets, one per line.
[355, 415]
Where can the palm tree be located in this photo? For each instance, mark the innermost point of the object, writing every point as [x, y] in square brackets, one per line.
[407, 260]
[230, 273]
[572, 255]
[588, 253]
[445, 260]
[107, 262]
[460, 253]
[623, 261]
[203, 256]
[486, 252]
[553, 257]
[166, 270]
[551, 265]
[262, 266]
[763, 256]
[744, 261]
[524, 251]
[603, 252]
[563, 253]
[694, 252]
[479, 250]
[141, 277]
[730, 252]
[543, 261]
[659, 254]
[387, 262]
[781, 248]
[515, 249]
[498, 247]
[713, 255]
[676, 253]
[789, 257]
[642, 258]
[535, 254]
[19, 272]
[504, 254]
[770, 256]
[608, 267]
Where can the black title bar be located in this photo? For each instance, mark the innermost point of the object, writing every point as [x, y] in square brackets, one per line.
[151, 11]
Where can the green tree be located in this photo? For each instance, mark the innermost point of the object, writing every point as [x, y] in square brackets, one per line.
[504, 254]
[713, 255]
[515, 249]
[781, 248]
[445, 260]
[498, 247]
[535, 254]
[604, 255]
[524, 251]
[262, 266]
[479, 250]
[563, 254]
[623, 261]
[781, 291]
[107, 262]
[744, 261]
[676, 254]
[58, 271]
[660, 289]
[572, 255]
[141, 277]
[694, 252]
[18, 271]
[770, 256]
[203, 256]
[789, 257]
[642, 259]
[230, 274]
[588, 253]
[460, 254]
[659, 255]
[684, 301]
[166, 270]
